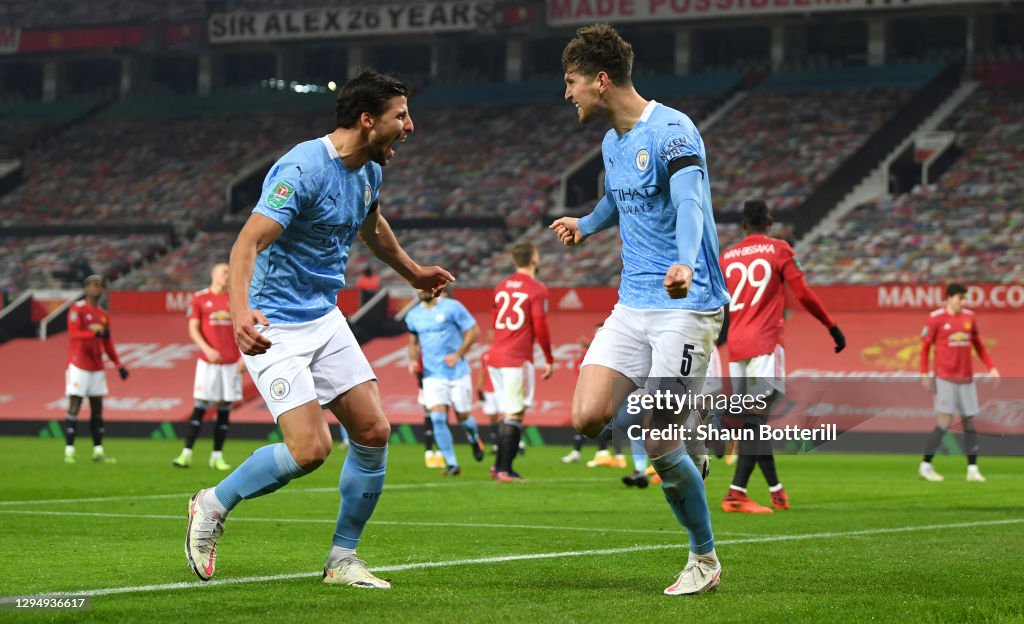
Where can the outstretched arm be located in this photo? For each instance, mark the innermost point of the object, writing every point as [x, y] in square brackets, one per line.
[810, 302]
[378, 236]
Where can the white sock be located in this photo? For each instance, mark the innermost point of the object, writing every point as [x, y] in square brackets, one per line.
[187, 452]
[69, 449]
[214, 456]
[738, 488]
[775, 488]
[710, 557]
[211, 502]
[338, 553]
[97, 450]
[926, 465]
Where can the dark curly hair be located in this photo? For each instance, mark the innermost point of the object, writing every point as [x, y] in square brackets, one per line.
[597, 48]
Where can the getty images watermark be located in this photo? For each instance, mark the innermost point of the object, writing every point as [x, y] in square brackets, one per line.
[676, 407]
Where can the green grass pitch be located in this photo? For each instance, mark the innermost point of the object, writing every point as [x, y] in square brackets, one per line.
[866, 540]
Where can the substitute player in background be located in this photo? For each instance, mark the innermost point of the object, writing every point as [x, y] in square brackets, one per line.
[520, 317]
[672, 294]
[756, 270]
[441, 331]
[287, 267]
[219, 367]
[89, 330]
[953, 330]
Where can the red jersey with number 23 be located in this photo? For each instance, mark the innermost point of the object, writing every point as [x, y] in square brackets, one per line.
[520, 317]
[756, 270]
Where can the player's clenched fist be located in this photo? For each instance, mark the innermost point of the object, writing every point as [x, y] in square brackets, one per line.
[677, 281]
[250, 341]
[568, 231]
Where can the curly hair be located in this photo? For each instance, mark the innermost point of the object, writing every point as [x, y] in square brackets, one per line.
[597, 48]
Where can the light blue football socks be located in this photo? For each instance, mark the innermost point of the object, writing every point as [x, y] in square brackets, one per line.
[361, 483]
[443, 437]
[266, 470]
[684, 490]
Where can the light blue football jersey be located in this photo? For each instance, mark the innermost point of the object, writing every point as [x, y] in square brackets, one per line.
[440, 330]
[637, 181]
[320, 204]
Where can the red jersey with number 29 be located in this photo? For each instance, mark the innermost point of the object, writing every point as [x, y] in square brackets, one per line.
[756, 270]
[520, 317]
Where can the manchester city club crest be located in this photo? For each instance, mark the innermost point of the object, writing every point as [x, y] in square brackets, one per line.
[643, 158]
[279, 389]
[367, 195]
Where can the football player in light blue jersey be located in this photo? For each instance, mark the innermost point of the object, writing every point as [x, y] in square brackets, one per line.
[661, 332]
[442, 330]
[286, 268]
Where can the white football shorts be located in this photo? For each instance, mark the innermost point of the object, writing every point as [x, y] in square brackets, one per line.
[83, 383]
[762, 375]
[318, 360]
[513, 387]
[457, 393]
[490, 404]
[219, 383]
[657, 344]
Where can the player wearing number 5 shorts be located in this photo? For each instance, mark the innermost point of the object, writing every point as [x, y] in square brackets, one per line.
[519, 314]
[671, 296]
[756, 270]
[953, 331]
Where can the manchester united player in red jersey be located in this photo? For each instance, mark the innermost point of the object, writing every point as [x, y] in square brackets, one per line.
[89, 329]
[520, 318]
[953, 330]
[756, 269]
[219, 367]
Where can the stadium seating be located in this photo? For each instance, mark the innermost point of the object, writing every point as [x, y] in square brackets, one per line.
[171, 158]
[63, 261]
[185, 268]
[969, 226]
[780, 146]
[131, 169]
[797, 127]
[23, 124]
[457, 249]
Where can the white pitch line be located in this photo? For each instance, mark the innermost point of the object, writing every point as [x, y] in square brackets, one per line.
[474, 525]
[530, 557]
[320, 490]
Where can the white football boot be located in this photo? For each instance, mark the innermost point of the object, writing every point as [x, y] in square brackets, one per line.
[701, 574]
[352, 572]
[927, 472]
[204, 530]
